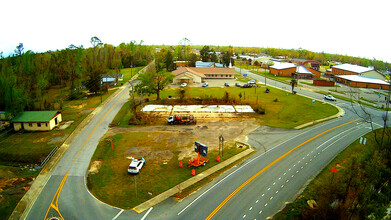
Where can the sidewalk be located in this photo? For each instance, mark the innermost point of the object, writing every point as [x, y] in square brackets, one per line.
[163, 196]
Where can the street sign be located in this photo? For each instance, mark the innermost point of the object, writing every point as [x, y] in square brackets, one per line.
[244, 74]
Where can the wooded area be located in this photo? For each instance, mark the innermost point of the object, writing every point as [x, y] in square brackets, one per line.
[26, 78]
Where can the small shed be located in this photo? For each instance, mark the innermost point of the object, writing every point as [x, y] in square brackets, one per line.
[37, 120]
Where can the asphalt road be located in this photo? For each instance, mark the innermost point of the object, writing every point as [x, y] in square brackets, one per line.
[72, 199]
[256, 188]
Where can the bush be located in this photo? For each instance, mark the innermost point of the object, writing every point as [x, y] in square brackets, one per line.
[259, 109]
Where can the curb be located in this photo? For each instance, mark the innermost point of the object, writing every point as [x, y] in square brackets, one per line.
[25, 204]
[168, 193]
[340, 113]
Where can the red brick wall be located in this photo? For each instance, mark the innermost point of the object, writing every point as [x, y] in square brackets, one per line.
[283, 72]
[337, 71]
[323, 83]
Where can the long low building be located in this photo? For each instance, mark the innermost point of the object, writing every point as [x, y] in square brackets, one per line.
[362, 82]
[191, 75]
[349, 69]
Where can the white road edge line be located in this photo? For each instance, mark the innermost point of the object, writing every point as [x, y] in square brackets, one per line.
[252, 161]
[146, 214]
[355, 127]
[337, 140]
[119, 213]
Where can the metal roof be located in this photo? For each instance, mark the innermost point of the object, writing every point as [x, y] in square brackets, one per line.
[352, 68]
[281, 66]
[35, 116]
[365, 79]
[204, 64]
[302, 70]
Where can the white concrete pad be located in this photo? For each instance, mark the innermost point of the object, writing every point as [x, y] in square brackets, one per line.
[199, 108]
[157, 108]
[244, 109]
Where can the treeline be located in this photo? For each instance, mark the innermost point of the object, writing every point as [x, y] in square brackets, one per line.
[27, 77]
[304, 54]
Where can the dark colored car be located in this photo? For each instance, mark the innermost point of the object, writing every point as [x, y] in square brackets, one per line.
[246, 86]
[237, 85]
[226, 84]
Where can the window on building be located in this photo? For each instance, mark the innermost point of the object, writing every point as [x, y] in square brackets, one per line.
[46, 124]
[31, 124]
[39, 124]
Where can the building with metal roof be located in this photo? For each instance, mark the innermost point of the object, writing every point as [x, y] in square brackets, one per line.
[303, 73]
[283, 69]
[362, 81]
[36, 120]
[350, 69]
[191, 75]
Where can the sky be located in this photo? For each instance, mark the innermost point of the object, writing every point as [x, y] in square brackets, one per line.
[356, 28]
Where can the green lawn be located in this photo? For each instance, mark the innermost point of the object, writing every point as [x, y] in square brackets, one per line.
[288, 111]
[283, 79]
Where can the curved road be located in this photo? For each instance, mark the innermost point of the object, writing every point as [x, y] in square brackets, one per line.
[256, 188]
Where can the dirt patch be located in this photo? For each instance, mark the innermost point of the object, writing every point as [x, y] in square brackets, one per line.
[95, 166]
[182, 137]
[77, 106]
[58, 139]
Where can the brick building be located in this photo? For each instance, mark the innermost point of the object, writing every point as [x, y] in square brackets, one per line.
[362, 82]
[283, 69]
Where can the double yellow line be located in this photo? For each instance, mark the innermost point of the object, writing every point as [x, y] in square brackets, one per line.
[55, 197]
[57, 194]
[267, 167]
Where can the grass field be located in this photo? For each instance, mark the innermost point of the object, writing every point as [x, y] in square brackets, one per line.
[155, 177]
[281, 107]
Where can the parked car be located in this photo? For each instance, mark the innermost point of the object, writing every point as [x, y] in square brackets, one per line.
[183, 85]
[251, 82]
[205, 84]
[226, 84]
[238, 85]
[136, 165]
[330, 97]
[246, 85]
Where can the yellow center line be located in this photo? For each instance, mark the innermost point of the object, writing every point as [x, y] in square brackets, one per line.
[55, 197]
[57, 194]
[267, 167]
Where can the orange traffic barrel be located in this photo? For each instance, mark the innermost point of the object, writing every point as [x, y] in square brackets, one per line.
[218, 158]
[193, 172]
[180, 164]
